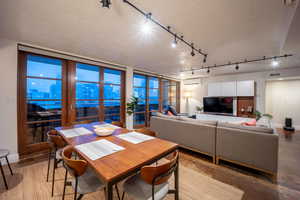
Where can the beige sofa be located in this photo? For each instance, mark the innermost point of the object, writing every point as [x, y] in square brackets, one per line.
[192, 135]
[254, 147]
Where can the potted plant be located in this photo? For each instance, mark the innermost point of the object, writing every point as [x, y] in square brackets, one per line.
[259, 115]
[199, 109]
[131, 105]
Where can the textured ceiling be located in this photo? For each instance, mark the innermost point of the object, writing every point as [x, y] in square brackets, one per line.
[228, 30]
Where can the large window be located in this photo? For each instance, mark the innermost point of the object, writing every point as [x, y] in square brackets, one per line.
[155, 94]
[140, 91]
[99, 94]
[43, 97]
[56, 92]
[170, 94]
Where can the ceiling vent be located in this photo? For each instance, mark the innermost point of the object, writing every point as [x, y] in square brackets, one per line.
[289, 2]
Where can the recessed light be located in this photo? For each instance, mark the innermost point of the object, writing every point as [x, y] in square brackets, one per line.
[182, 62]
[280, 79]
[181, 74]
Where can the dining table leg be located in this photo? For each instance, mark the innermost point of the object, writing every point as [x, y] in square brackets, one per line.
[109, 191]
[176, 173]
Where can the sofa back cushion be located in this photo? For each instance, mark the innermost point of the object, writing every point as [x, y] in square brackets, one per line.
[244, 127]
[200, 121]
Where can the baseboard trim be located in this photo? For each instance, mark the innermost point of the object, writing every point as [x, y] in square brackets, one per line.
[12, 158]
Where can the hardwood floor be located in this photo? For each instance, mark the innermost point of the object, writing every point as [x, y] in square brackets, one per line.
[255, 185]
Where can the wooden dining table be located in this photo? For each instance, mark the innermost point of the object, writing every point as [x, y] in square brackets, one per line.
[118, 166]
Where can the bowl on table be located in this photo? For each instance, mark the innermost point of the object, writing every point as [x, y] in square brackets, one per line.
[104, 131]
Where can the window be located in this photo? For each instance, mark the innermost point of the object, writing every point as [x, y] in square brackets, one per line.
[112, 95]
[87, 92]
[43, 96]
[91, 103]
[140, 91]
[56, 92]
[170, 94]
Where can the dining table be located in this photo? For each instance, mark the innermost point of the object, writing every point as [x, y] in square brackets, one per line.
[117, 166]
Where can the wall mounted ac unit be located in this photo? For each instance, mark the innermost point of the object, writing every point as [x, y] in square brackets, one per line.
[289, 2]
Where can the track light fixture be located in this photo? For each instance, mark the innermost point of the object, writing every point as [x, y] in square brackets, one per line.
[105, 3]
[192, 53]
[237, 67]
[208, 70]
[174, 43]
[193, 72]
[275, 62]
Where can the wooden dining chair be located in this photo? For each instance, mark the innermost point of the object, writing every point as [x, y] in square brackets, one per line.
[85, 180]
[56, 144]
[152, 181]
[3, 154]
[117, 123]
[146, 131]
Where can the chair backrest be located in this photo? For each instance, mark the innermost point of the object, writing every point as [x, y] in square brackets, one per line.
[147, 131]
[156, 175]
[56, 139]
[75, 167]
[117, 123]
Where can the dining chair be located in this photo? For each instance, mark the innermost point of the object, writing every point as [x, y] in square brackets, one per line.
[85, 180]
[117, 123]
[152, 181]
[146, 131]
[3, 154]
[56, 144]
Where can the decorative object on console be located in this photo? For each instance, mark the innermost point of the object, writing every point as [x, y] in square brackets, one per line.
[131, 106]
[263, 119]
[289, 125]
[199, 108]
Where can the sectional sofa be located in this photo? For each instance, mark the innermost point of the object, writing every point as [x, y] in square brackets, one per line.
[254, 147]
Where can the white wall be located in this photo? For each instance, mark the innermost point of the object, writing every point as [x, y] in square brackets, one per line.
[283, 100]
[199, 91]
[8, 97]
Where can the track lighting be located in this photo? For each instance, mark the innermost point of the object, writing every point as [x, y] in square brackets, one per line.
[237, 67]
[192, 53]
[174, 43]
[105, 3]
[274, 62]
[192, 72]
[204, 59]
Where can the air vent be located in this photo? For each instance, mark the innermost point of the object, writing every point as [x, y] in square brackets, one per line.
[275, 74]
[289, 2]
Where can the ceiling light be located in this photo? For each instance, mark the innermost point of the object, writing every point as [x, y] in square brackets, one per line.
[182, 62]
[208, 71]
[174, 43]
[146, 28]
[275, 63]
[181, 74]
[105, 3]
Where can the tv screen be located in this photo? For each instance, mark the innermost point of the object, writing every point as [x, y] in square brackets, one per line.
[220, 105]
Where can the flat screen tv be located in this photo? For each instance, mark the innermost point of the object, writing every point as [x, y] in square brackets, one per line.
[218, 105]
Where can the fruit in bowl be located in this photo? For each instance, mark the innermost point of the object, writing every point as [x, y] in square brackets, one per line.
[104, 131]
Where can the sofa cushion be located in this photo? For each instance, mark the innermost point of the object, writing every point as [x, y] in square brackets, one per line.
[248, 128]
[208, 122]
[158, 114]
